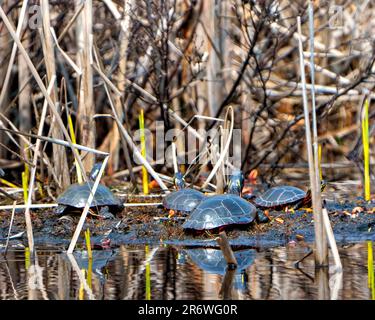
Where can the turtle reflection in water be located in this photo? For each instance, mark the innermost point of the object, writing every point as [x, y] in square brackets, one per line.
[75, 197]
[212, 261]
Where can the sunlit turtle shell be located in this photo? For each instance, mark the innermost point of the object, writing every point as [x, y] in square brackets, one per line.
[219, 211]
[280, 196]
[77, 194]
[183, 200]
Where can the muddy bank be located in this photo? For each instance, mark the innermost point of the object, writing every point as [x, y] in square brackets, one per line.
[351, 221]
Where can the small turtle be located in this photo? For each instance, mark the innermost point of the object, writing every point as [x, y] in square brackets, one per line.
[221, 211]
[75, 197]
[184, 199]
[282, 196]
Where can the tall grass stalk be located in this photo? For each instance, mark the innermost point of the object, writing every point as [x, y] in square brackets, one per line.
[143, 151]
[366, 150]
[321, 253]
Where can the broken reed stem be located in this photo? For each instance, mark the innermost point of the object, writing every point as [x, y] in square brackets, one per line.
[225, 247]
[143, 151]
[366, 150]
[87, 207]
[321, 254]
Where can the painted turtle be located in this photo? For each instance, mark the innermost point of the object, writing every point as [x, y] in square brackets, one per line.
[184, 199]
[282, 196]
[76, 195]
[221, 211]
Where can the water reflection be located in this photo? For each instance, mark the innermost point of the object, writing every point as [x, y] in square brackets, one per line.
[178, 273]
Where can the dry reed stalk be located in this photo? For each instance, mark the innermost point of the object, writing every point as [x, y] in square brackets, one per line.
[129, 141]
[32, 206]
[86, 108]
[217, 52]
[33, 170]
[225, 150]
[321, 253]
[225, 247]
[41, 86]
[121, 83]
[59, 153]
[5, 82]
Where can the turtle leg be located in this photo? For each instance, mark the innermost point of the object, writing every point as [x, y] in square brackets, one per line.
[262, 217]
[60, 209]
[105, 213]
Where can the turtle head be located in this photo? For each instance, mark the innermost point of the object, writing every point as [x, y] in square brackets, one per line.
[179, 181]
[323, 185]
[236, 182]
[95, 170]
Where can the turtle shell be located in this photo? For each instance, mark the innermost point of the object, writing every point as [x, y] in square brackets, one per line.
[183, 200]
[221, 210]
[77, 194]
[280, 196]
[213, 261]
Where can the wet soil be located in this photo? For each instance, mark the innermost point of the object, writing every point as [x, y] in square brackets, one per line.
[352, 221]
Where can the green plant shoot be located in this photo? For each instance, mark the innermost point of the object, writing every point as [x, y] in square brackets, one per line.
[143, 151]
[366, 150]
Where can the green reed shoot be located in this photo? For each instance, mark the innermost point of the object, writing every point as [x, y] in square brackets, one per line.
[74, 140]
[88, 243]
[366, 150]
[89, 273]
[27, 258]
[143, 151]
[25, 184]
[320, 161]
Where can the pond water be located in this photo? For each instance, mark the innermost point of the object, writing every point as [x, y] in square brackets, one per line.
[168, 272]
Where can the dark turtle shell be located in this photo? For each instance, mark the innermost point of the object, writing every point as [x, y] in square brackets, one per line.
[280, 196]
[183, 200]
[77, 194]
[221, 210]
[213, 261]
